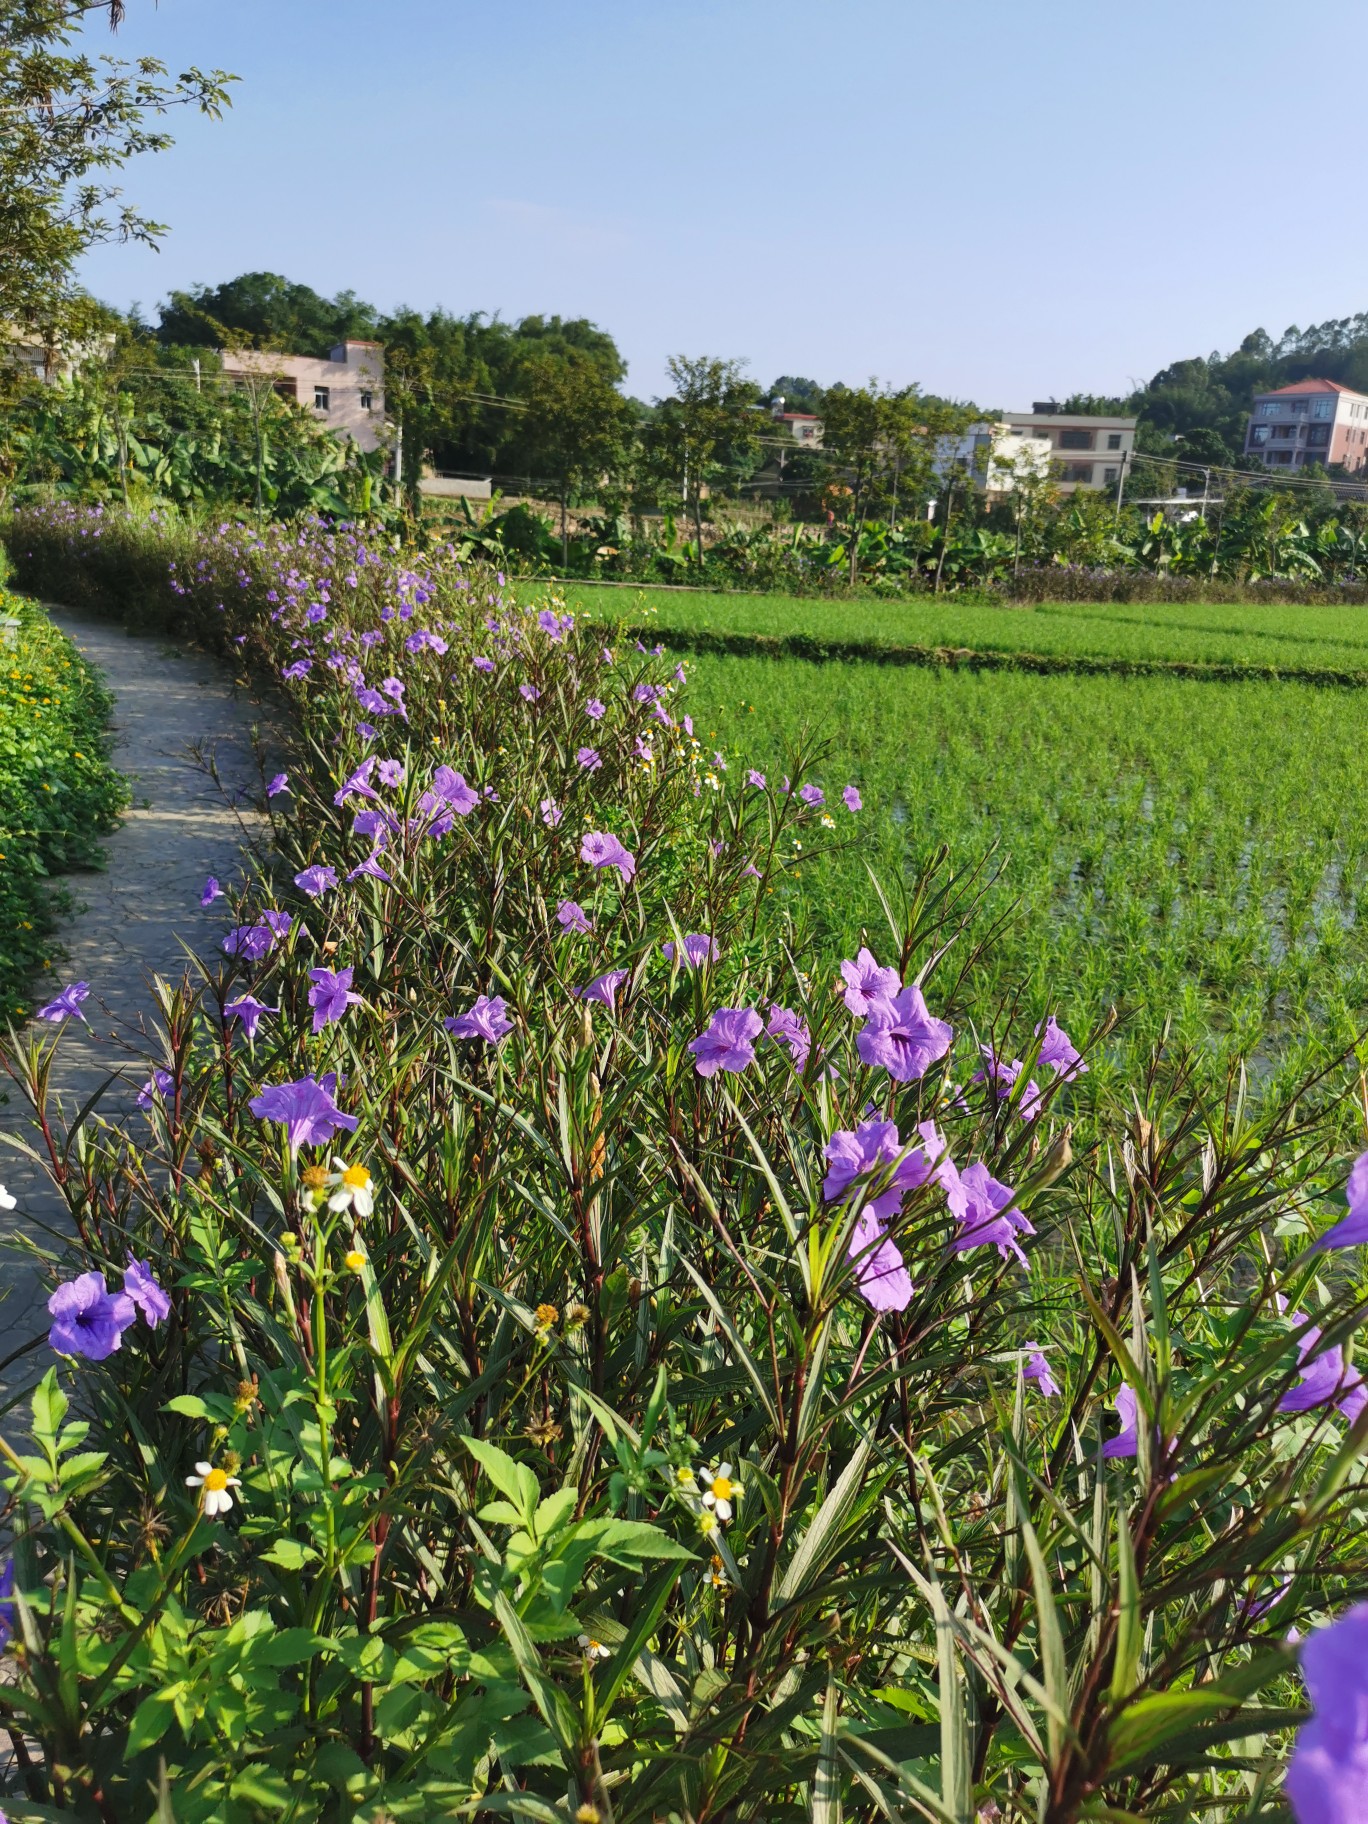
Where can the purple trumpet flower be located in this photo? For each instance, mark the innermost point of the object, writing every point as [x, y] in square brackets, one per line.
[251, 942]
[1326, 1379]
[1126, 1443]
[1327, 1777]
[212, 891]
[983, 1208]
[331, 995]
[1038, 1370]
[370, 867]
[866, 982]
[316, 880]
[789, 1029]
[850, 797]
[147, 1295]
[812, 794]
[358, 783]
[87, 1319]
[281, 783]
[249, 1010]
[604, 987]
[873, 1147]
[600, 849]
[1351, 1230]
[589, 758]
[902, 1037]
[1003, 1076]
[728, 1042]
[486, 1019]
[696, 949]
[160, 1083]
[306, 1110]
[66, 1004]
[451, 788]
[1058, 1052]
[572, 917]
[883, 1279]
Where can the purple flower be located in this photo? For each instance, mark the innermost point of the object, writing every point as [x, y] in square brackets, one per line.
[160, 1083]
[555, 626]
[391, 773]
[87, 1319]
[281, 783]
[300, 669]
[529, 692]
[1327, 1777]
[1326, 1379]
[316, 881]
[277, 923]
[812, 794]
[883, 1279]
[1126, 1443]
[728, 1043]
[252, 942]
[481, 663]
[602, 850]
[851, 798]
[487, 1019]
[392, 687]
[902, 1037]
[1351, 1230]
[756, 779]
[1057, 1051]
[573, 917]
[588, 758]
[452, 789]
[1004, 1076]
[371, 867]
[984, 1209]
[873, 1147]
[604, 987]
[146, 1294]
[306, 1110]
[331, 995]
[1038, 1370]
[212, 891]
[594, 709]
[866, 982]
[697, 948]
[375, 824]
[249, 1010]
[786, 1026]
[358, 782]
[550, 812]
[67, 1003]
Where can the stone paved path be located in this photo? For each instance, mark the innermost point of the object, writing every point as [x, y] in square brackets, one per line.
[131, 922]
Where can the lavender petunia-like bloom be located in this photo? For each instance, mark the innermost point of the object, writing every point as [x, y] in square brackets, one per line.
[252, 942]
[147, 1295]
[602, 850]
[451, 788]
[589, 759]
[487, 1019]
[1038, 1370]
[281, 783]
[481, 663]
[1058, 1051]
[1126, 1443]
[249, 1010]
[1352, 1230]
[331, 995]
[595, 710]
[306, 1110]
[551, 812]
[883, 1279]
[1326, 1379]
[850, 797]
[370, 867]
[316, 880]
[87, 1319]
[728, 1042]
[528, 692]
[866, 982]
[812, 794]
[212, 891]
[983, 1207]
[697, 948]
[277, 923]
[358, 783]
[160, 1083]
[902, 1037]
[790, 1029]
[1003, 1076]
[604, 987]
[756, 779]
[872, 1147]
[572, 917]
[67, 1004]
[1327, 1777]
[391, 773]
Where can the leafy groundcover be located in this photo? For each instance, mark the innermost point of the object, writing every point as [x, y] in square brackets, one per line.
[552, 1346]
[58, 793]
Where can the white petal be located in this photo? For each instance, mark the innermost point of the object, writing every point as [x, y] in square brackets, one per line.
[724, 1469]
[724, 1510]
[193, 1481]
[203, 1469]
[364, 1203]
[6, 1201]
[339, 1199]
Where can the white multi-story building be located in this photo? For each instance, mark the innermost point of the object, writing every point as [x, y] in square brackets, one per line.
[1310, 421]
[1077, 449]
[346, 393]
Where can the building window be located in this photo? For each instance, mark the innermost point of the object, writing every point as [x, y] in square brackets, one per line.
[1079, 472]
[1259, 434]
[1298, 406]
[365, 401]
[1113, 440]
[320, 398]
[1323, 408]
[1075, 440]
[1109, 475]
[1319, 433]
[1269, 408]
[1283, 430]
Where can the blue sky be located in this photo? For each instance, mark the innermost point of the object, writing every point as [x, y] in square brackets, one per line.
[999, 199]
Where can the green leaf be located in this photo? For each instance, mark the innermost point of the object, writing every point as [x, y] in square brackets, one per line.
[1130, 1625]
[509, 1477]
[822, 1534]
[289, 1554]
[1054, 1664]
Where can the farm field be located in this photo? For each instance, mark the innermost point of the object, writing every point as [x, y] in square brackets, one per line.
[1277, 636]
[1184, 850]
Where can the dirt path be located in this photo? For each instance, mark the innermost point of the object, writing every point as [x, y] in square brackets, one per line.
[132, 921]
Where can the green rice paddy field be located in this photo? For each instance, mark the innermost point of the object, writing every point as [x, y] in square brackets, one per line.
[1185, 849]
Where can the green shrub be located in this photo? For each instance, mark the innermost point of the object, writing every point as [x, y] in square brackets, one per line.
[565, 1434]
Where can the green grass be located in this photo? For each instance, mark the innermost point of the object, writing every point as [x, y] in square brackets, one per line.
[1277, 636]
[1177, 848]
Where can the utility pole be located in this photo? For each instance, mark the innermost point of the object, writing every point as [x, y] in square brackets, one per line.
[1121, 482]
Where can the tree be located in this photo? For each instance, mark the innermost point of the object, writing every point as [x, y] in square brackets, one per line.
[66, 122]
[575, 424]
[706, 426]
[271, 310]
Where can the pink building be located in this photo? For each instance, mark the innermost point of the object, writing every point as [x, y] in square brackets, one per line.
[346, 393]
[1312, 421]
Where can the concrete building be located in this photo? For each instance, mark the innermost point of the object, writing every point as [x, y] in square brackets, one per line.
[346, 393]
[997, 455]
[1085, 451]
[51, 365]
[1310, 421]
[805, 428]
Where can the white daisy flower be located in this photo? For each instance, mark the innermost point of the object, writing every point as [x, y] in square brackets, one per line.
[593, 1649]
[6, 1201]
[349, 1188]
[215, 1483]
[719, 1490]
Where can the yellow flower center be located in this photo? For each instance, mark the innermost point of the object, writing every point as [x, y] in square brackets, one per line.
[216, 1481]
[721, 1488]
[356, 1178]
[547, 1315]
[355, 1260]
[313, 1177]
